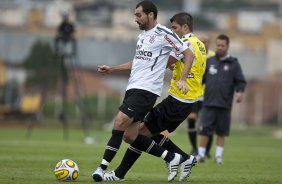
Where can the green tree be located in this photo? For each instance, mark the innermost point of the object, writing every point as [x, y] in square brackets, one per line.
[42, 68]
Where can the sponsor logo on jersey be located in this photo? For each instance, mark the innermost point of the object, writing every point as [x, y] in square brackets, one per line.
[144, 53]
[171, 43]
[190, 75]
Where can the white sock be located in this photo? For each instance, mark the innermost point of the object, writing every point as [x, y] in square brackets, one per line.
[218, 151]
[105, 162]
[202, 151]
[164, 154]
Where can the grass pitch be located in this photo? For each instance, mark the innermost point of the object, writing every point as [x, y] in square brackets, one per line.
[251, 156]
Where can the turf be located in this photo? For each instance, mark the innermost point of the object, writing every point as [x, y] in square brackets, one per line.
[251, 156]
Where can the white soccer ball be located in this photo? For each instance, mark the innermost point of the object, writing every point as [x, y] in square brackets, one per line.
[66, 170]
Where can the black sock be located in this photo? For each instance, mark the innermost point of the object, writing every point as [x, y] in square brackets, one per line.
[112, 147]
[146, 144]
[209, 145]
[129, 158]
[167, 144]
[192, 132]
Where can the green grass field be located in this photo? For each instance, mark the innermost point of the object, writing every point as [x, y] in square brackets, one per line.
[251, 156]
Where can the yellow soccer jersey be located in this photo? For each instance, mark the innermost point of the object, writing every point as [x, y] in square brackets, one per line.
[195, 76]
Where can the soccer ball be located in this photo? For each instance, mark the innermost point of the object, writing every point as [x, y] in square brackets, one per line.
[66, 170]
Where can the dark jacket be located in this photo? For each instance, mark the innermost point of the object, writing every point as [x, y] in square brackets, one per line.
[222, 79]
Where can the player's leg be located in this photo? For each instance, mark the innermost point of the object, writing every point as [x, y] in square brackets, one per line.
[135, 106]
[168, 116]
[141, 143]
[192, 132]
[113, 144]
[130, 156]
[222, 130]
[207, 126]
[209, 145]
[145, 144]
[192, 128]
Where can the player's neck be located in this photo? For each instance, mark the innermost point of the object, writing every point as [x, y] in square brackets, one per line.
[151, 25]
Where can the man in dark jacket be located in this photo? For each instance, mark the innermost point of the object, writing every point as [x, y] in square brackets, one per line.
[223, 77]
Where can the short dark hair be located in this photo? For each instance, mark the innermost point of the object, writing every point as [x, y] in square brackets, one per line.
[223, 37]
[148, 7]
[183, 18]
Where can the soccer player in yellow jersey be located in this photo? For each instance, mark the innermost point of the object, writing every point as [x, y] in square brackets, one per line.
[173, 110]
[193, 116]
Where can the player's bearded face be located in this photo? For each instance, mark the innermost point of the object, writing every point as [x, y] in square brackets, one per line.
[143, 24]
[141, 19]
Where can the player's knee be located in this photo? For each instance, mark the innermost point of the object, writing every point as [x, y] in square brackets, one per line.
[128, 138]
[143, 130]
[193, 115]
[121, 122]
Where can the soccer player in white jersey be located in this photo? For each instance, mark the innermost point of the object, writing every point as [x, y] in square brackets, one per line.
[145, 84]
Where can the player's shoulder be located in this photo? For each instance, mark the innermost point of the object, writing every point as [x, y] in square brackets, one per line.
[160, 29]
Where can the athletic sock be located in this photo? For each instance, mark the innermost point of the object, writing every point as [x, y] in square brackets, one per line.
[218, 151]
[112, 148]
[146, 144]
[167, 144]
[129, 158]
[202, 152]
[192, 133]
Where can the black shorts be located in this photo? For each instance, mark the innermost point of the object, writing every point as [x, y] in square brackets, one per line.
[167, 115]
[214, 119]
[197, 106]
[137, 103]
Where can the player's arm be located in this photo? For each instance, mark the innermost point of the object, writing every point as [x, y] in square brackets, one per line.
[171, 62]
[188, 61]
[105, 69]
[240, 83]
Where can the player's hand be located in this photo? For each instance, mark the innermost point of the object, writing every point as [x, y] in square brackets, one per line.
[104, 69]
[238, 97]
[182, 86]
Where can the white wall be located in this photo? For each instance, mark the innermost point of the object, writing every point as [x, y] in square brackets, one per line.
[254, 21]
[12, 17]
[274, 62]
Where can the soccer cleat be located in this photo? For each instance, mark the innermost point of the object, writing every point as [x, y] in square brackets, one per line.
[200, 159]
[218, 160]
[98, 174]
[173, 166]
[186, 166]
[111, 176]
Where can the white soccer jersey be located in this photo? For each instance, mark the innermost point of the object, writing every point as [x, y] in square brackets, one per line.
[150, 60]
[190, 46]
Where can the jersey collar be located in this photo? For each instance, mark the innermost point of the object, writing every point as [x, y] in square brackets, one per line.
[188, 35]
[153, 29]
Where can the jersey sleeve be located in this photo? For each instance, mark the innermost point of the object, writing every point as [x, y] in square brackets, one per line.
[174, 42]
[180, 56]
